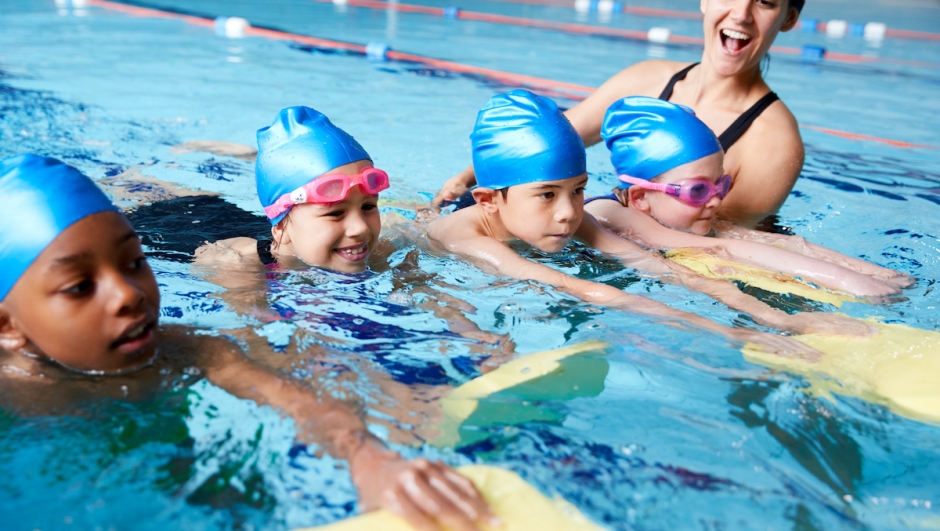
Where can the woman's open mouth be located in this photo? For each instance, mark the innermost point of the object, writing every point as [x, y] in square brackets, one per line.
[734, 42]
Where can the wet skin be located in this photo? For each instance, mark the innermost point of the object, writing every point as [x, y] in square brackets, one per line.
[338, 236]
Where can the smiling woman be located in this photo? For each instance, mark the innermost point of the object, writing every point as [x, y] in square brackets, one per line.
[727, 91]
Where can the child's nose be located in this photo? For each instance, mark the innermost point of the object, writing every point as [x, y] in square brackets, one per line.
[126, 295]
[356, 225]
[565, 211]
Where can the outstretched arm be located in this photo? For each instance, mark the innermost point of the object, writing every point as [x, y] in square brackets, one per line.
[428, 495]
[798, 244]
[499, 256]
[654, 235]
[723, 291]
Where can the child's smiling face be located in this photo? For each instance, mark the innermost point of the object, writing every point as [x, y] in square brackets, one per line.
[543, 214]
[673, 212]
[338, 236]
[89, 301]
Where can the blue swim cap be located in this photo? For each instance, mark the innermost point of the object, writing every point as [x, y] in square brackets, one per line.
[39, 198]
[648, 136]
[523, 138]
[301, 145]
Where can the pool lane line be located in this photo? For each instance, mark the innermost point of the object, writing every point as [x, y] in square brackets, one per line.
[580, 91]
[587, 29]
[856, 136]
[695, 15]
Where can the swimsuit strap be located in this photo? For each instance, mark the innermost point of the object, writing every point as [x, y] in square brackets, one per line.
[612, 197]
[735, 130]
[264, 252]
[679, 76]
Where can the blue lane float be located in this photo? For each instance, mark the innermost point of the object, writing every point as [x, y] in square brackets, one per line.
[377, 51]
[451, 12]
[812, 54]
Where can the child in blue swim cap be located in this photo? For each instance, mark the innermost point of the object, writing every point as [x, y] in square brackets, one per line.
[671, 177]
[77, 297]
[530, 165]
[319, 189]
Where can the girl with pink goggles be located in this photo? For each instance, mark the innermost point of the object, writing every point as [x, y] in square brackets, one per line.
[330, 188]
[696, 194]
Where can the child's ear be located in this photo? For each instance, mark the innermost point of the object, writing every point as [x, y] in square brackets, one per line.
[279, 232]
[637, 199]
[486, 198]
[11, 337]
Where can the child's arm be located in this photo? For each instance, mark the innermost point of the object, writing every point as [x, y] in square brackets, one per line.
[592, 233]
[426, 494]
[499, 256]
[826, 274]
[798, 244]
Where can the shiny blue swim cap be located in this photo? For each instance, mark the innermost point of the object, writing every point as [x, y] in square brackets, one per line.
[649, 136]
[301, 145]
[39, 198]
[523, 138]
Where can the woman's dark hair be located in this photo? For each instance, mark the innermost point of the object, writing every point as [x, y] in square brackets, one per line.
[797, 4]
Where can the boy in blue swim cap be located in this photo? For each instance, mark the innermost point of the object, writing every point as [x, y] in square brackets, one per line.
[530, 165]
[672, 184]
[77, 297]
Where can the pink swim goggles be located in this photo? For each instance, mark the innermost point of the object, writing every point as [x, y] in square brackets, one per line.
[330, 188]
[696, 194]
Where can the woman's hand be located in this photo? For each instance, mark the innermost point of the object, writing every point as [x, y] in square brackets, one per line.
[428, 495]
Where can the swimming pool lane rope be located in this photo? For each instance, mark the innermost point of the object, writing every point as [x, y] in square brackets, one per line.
[682, 14]
[588, 29]
[554, 88]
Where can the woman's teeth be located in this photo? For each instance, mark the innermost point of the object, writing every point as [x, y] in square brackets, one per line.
[736, 35]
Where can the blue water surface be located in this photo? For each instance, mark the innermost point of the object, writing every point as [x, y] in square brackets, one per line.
[685, 433]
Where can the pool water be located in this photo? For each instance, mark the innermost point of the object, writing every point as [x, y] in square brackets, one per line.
[684, 434]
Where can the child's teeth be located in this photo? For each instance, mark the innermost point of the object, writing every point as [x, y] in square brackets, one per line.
[735, 34]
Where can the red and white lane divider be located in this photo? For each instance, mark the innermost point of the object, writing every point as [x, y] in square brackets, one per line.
[553, 88]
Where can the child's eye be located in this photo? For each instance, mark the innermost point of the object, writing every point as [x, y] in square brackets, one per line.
[79, 288]
[369, 206]
[547, 195]
[335, 213]
[139, 262]
[579, 191]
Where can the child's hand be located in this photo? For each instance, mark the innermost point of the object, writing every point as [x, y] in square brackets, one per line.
[830, 324]
[453, 188]
[428, 495]
[779, 345]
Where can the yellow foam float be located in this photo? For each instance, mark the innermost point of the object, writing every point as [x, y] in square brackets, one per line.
[709, 265]
[899, 368]
[519, 505]
[513, 390]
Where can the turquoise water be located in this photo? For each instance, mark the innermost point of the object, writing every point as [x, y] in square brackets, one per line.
[685, 433]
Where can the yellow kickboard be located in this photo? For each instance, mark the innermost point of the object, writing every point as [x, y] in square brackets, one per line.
[558, 374]
[898, 368]
[712, 266]
[519, 505]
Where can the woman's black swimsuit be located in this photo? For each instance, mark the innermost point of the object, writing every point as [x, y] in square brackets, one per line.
[735, 130]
